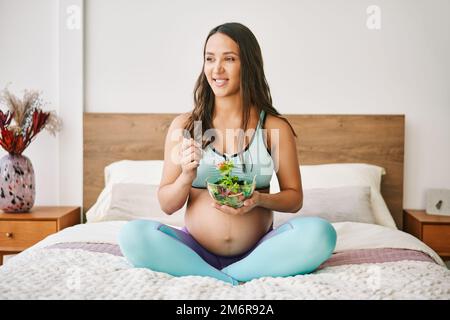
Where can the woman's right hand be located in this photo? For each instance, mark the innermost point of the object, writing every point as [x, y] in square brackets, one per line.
[191, 153]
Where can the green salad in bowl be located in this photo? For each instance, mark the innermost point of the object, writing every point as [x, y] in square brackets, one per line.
[228, 189]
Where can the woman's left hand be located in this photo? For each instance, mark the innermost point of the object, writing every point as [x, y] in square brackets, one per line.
[249, 204]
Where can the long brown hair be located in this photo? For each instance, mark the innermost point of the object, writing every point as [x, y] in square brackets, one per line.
[254, 87]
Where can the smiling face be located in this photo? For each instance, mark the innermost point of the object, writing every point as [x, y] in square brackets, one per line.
[222, 65]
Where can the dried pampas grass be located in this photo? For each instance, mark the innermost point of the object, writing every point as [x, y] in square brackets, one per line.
[24, 120]
[23, 109]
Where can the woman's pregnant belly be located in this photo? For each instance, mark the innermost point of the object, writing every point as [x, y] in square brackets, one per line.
[221, 233]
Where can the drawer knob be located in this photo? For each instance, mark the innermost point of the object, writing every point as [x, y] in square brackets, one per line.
[9, 234]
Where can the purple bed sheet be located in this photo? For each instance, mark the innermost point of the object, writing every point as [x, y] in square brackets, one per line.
[378, 255]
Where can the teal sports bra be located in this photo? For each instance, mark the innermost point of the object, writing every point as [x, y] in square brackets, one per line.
[256, 157]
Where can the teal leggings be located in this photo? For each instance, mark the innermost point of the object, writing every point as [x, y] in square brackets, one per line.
[296, 247]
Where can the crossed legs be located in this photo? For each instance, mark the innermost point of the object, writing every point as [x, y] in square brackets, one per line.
[298, 246]
[156, 246]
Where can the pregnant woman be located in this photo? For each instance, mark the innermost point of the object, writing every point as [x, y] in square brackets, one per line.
[229, 244]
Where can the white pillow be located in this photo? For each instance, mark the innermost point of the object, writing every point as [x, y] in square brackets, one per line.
[141, 177]
[339, 204]
[134, 171]
[313, 176]
[129, 201]
[346, 174]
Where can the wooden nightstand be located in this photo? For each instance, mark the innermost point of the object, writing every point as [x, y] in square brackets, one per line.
[19, 231]
[434, 230]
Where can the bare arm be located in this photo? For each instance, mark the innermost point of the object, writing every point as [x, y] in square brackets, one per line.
[179, 170]
[284, 155]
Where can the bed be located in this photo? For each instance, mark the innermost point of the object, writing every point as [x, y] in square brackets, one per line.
[359, 156]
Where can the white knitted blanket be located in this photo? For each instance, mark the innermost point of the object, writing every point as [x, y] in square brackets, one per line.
[42, 273]
[80, 274]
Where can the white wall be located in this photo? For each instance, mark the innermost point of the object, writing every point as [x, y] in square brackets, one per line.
[320, 57]
[71, 101]
[144, 56]
[29, 60]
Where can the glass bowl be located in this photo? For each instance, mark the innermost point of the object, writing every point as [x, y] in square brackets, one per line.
[235, 198]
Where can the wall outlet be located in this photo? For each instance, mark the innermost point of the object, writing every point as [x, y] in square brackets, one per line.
[438, 201]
